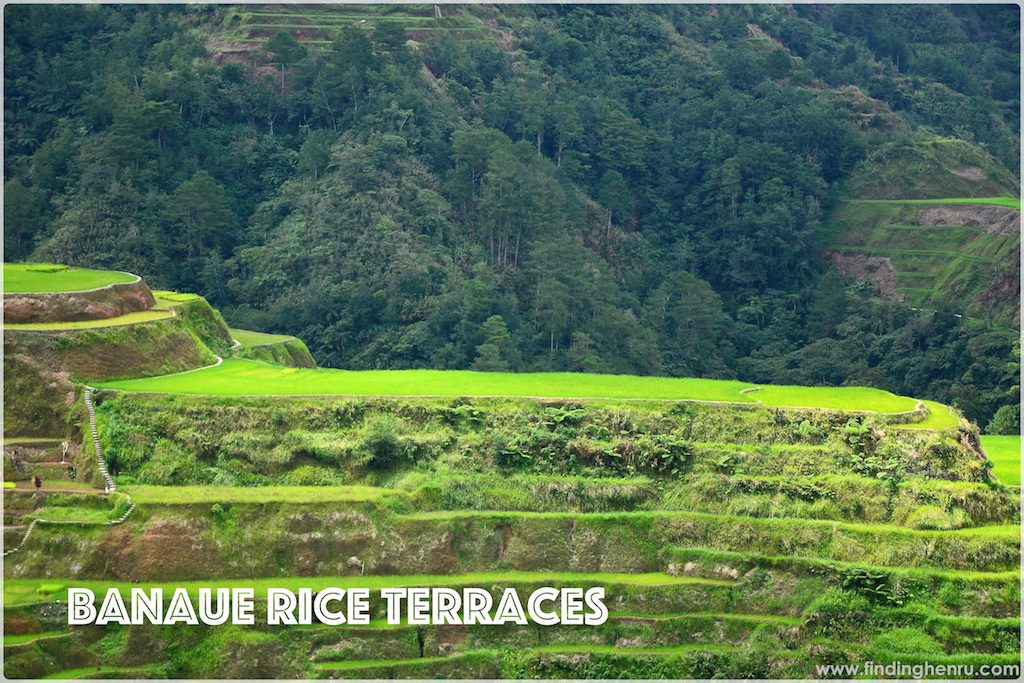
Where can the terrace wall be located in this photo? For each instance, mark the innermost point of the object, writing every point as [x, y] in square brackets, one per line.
[93, 304]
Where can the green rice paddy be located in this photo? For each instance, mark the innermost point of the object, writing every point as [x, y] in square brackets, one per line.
[44, 277]
[1004, 452]
[235, 377]
[126, 319]
[248, 338]
[187, 495]
[166, 299]
[939, 417]
[1012, 202]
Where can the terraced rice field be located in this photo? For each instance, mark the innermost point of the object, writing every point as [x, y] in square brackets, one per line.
[249, 339]
[732, 539]
[318, 25]
[1004, 452]
[117, 321]
[955, 261]
[190, 495]
[1011, 202]
[42, 277]
[236, 377]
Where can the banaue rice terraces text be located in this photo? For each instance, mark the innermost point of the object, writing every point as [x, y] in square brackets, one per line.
[545, 606]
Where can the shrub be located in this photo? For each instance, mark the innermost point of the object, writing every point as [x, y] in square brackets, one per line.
[382, 442]
[311, 475]
[1005, 421]
[873, 585]
[907, 640]
[934, 518]
[837, 612]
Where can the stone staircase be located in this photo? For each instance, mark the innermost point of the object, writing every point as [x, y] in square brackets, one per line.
[108, 482]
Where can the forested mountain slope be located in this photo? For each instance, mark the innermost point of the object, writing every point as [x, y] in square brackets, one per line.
[641, 189]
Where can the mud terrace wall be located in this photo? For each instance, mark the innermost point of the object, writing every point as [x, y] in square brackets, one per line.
[153, 348]
[93, 304]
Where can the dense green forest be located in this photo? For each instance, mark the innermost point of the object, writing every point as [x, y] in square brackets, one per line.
[627, 189]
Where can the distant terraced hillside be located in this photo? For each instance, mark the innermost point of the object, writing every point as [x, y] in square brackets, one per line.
[931, 223]
[238, 31]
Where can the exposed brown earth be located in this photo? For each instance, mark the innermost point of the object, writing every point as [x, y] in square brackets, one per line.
[969, 172]
[876, 269]
[997, 220]
[153, 348]
[94, 304]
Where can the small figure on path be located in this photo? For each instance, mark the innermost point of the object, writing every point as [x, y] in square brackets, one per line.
[38, 482]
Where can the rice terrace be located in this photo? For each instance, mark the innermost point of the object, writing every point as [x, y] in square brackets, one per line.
[714, 308]
[714, 512]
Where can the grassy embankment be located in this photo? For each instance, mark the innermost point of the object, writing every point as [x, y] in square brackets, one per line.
[275, 349]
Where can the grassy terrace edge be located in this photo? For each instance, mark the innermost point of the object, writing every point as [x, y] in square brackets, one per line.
[236, 377]
[1011, 202]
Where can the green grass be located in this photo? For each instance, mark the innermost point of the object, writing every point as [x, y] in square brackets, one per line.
[185, 495]
[166, 299]
[248, 338]
[23, 638]
[54, 484]
[102, 672]
[814, 565]
[1004, 452]
[726, 616]
[41, 277]
[895, 251]
[55, 513]
[940, 417]
[356, 664]
[1012, 202]
[933, 264]
[127, 319]
[582, 648]
[615, 650]
[235, 377]
[25, 591]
